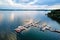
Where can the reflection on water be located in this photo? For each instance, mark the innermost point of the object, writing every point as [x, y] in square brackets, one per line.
[1, 17]
[12, 16]
[9, 20]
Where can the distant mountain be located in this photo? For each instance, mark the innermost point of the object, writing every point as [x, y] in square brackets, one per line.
[25, 9]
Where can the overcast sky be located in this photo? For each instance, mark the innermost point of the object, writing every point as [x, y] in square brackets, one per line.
[30, 4]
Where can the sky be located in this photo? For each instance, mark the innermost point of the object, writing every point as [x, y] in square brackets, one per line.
[30, 4]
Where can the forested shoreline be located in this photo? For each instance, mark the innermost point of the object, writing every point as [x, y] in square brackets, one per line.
[55, 15]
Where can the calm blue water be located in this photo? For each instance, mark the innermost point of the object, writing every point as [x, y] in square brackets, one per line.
[9, 20]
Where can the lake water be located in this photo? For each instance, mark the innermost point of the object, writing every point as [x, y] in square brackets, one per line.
[9, 20]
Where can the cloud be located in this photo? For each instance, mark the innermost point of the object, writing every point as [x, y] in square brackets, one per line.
[3, 2]
[0, 2]
[30, 5]
[25, 1]
[14, 3]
